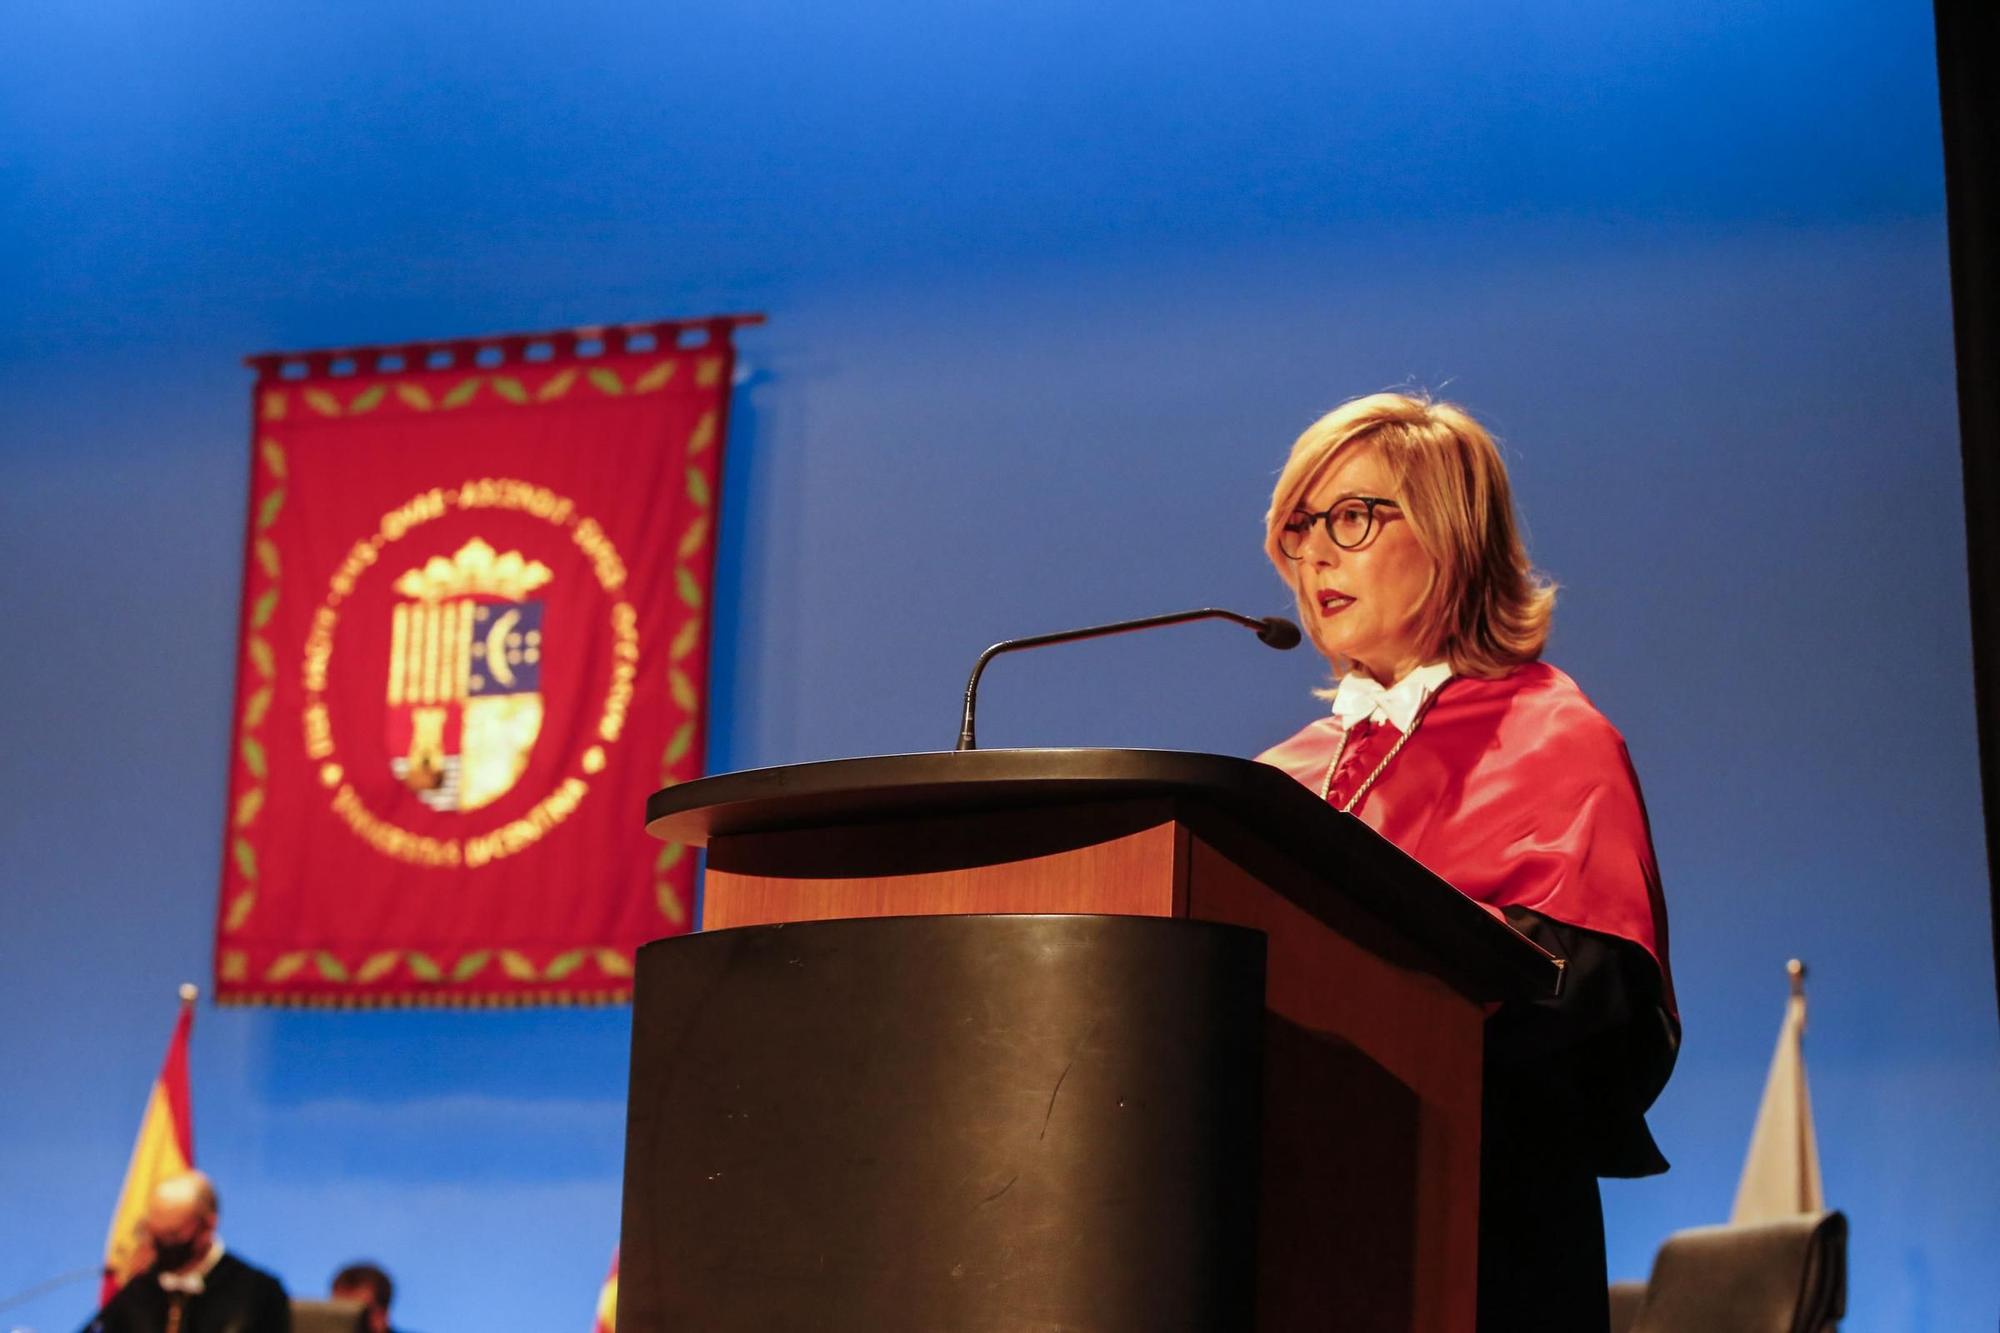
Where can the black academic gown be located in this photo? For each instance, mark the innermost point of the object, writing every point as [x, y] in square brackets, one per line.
[1567, 1084]
[235, 1298]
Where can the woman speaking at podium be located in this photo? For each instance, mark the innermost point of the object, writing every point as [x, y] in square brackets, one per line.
[1394, 525]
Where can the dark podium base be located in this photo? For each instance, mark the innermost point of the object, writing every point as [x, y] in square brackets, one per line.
[945, 1122]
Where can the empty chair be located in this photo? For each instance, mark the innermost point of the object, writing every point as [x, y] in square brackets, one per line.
[329, 1317]
[1787, 1276]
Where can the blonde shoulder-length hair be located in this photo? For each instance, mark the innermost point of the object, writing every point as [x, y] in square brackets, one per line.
[1487, 610]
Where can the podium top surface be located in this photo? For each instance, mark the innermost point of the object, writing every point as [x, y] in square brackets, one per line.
[1494, 959]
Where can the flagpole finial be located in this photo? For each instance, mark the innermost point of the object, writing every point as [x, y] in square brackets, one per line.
[1797, 972]
[189, 991]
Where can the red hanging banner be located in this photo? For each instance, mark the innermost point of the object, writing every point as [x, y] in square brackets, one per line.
[474, 638]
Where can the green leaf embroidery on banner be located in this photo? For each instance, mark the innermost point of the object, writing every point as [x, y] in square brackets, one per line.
[260, 613]
[681, 688]
[697, 487]
[669, 857]
[253, 757]
[655, 379]
[462, 392]
[267, 555]
[563, 964]
[556, 385]
[253, 712]
[668, 900]
[417, 397]
[471, 965]
[703, 436]
[685, 639]
[424, 968]
[260, 657]
[709, 373]
[517, 967]
[246, 857]
[368, 399]
[274, 406]
[274, 459]
[239, 911]
[377, 965]
[510, 389]
[285, 967]
[607, 381]
[689, 590]
[692, 539]
[677, 748]
[247, 806]
[329, 967]
[267, 512]
[613, 964]
[322, 402]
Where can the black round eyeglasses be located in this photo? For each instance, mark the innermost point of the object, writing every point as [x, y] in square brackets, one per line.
[1349, 523]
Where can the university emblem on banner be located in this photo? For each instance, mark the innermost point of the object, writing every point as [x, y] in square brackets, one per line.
[465, 667]
[453, 651]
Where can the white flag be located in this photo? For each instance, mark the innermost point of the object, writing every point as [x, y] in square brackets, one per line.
[1781, 1173]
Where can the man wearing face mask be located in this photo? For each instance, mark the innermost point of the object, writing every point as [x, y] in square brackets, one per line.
[194, 1284]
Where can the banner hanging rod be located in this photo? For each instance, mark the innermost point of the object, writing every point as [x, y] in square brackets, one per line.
[499, 349]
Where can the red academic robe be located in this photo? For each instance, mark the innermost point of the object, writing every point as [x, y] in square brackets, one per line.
[1515, 791]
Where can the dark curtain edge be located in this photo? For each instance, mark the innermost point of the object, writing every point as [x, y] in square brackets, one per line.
[1967, 53]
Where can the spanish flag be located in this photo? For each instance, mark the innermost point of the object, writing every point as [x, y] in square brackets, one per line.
[607, 1301]
[165, 1147]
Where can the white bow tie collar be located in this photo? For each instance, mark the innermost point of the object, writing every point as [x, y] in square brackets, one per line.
[1361, 698]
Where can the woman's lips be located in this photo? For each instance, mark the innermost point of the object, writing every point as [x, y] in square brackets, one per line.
[1332, 602]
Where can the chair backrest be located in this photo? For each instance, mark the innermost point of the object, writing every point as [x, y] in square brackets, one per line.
[1788, 1276]
[329, 1317]
[1626, 1298]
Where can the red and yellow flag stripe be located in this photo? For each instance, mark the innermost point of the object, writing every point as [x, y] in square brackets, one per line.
[165, 1147]
[607, 1302]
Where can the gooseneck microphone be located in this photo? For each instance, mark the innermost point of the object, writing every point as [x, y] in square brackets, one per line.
[1274, 630]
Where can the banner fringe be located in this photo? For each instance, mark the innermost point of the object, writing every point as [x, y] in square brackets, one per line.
[552, 347]
[592, 999]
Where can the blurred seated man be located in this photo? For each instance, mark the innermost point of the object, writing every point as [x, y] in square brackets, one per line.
[194, 1285]
[367, 1284]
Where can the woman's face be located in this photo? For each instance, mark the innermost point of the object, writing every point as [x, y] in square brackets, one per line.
[1362, 604]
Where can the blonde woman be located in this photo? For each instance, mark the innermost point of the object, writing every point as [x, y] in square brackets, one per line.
[1393, 524]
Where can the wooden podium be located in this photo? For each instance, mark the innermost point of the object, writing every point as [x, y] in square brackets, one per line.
[1355, 1114]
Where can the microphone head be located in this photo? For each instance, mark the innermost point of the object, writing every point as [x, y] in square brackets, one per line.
[1279, 632]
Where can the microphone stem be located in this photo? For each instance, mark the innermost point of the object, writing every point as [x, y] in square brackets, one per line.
[965, 735]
